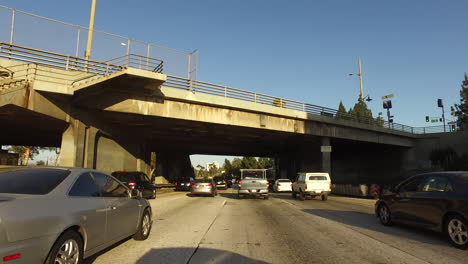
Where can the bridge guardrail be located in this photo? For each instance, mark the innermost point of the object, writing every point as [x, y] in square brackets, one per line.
[244, 95]
[139, 62]
[56, 60]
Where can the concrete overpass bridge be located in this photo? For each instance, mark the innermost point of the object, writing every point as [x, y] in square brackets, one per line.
[112, 115]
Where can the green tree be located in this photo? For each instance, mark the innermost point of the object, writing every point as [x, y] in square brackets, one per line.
[249, 163]
[265, 163]
[342, 114]
[361, 113]
[461, 110]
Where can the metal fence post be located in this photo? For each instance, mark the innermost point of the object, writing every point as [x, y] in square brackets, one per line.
[128, 46]
[189, 64]
[12, 25]
[225, 91]
[147, 56]
[303, 107]
[78, 42]
[255, 97]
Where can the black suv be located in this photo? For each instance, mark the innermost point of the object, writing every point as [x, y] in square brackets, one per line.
[137, 180]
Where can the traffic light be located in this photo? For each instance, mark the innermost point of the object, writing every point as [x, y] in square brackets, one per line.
[427, 118]
[439, 103]
[452, 127]
[387, 104]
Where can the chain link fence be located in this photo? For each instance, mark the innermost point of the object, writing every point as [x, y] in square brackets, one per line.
[30, 30]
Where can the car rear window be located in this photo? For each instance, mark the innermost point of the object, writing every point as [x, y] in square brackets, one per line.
[125, 176]
[203, 180]
[318, 178]
[31, 181]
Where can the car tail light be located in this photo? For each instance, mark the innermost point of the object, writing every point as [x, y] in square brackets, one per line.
[132, 184]
[11, 257]
[268, 182]
[279, 184]
[211, 185]
[305, 186]
[331, 186]
[239, 182]
[194, 185]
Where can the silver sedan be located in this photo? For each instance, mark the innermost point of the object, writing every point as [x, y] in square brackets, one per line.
[63, 215]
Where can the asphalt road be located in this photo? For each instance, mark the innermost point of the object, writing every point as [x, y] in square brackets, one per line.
[279, 230]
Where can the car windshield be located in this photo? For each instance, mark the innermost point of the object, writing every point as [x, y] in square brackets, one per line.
[31, 181]
[252, 174]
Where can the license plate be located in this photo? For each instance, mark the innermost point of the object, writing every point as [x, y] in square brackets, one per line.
[253, 191]
[318, 191]
[202, 185]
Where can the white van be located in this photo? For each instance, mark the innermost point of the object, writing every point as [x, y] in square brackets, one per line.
[311, 185]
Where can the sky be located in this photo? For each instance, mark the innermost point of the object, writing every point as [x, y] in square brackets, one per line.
[301, 50]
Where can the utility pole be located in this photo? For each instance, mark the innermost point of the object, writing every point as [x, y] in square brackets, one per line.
[90, 30]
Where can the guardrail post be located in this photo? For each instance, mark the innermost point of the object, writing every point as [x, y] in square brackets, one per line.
[107, 68]
[67, 63]
[303, 107]
[412, 130]
[255, 97]
[424, 130]
[225, 91]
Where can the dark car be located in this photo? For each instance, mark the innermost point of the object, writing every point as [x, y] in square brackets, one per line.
[220, 182]
[137, 180]
[184, 184]
[437, 201]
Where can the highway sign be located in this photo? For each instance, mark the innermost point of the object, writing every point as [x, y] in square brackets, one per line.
[387, 96]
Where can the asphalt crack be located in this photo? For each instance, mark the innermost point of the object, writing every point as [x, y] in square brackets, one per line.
[206, 232]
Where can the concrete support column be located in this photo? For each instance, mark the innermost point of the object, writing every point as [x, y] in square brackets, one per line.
[326, 156]
[72, 147]
[90, 147]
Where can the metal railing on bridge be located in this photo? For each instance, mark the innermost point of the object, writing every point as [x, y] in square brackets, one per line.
[139, 62]
[244, 95]
[56, 60]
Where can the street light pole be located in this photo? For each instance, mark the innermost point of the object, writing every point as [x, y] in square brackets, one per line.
[90, 30]
[361, 89]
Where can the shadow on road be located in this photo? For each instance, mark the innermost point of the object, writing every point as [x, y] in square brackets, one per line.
[370, 222]
[95, 256]
[228, 195]
[196, 255]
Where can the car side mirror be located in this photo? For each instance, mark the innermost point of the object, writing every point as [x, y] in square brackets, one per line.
[135, 193]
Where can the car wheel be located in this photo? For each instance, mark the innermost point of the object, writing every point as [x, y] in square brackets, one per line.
[302, 196]
[67, 249]
[456, 228]
[385, 216]
[293, 194]
[324, 197]
[154, 195]
[144, 228]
